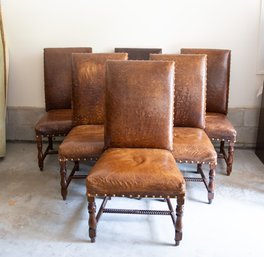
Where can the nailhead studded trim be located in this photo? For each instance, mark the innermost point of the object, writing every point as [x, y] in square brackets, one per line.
[78, 159]
[53, 135]
[131, 196]
[205, 90]
[222, 139]
[198, 162]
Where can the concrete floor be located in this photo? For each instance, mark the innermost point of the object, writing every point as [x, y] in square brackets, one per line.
[35, 221]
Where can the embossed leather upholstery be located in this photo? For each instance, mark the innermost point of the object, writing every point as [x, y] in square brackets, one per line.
[89, 86]
[83, 141]
[189, 108]
[130, 122]
[218, 71]
[136, 172]
[190, 88]
[219, 127]
[88, 105]
[139, 53]
[55, 122]
[58, 76]
[192, 145]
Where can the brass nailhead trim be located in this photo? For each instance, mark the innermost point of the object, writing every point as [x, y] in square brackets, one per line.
[131, 196]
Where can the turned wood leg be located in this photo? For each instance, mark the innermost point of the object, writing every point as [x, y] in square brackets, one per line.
[40, 152]
[63, 173]
[211, 183]
[92, 218]
[222, 147]
[76, 165]
[179, 214]
[50, 142]
[230, 158]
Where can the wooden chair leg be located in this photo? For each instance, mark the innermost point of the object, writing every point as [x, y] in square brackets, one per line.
[211, 183]
[63, 173]
[230, 158]
[179, 214]
[92, 218]
[50, 142]
[76, 165]
[222, 147]
[40, 152]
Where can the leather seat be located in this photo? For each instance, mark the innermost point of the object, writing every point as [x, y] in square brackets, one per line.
[192, 145]
[83, 141]
[218, 127]
[57, 121]
[137, 161]
[190, 142]
[86, 139]
[130, 172]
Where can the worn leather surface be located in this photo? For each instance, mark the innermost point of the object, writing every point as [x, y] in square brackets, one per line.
[219, 127]
[58, 76]
[135, 172]
[139, 104]
[190, 88]
[89, 86]
[139, 53]
[218, 72]
[83, 141]
[55, 122]
[192, 144]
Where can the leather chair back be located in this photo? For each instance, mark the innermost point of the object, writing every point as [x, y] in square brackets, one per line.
[139, 104]
[218, 72]
[89, 87]
[190, 88]
[58, 76]
[139, 53]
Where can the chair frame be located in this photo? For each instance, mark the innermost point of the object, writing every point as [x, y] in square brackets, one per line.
[49, 106]
[66, 180]
[176, 215]
[228, 155]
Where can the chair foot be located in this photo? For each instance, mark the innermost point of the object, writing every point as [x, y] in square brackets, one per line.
[63, 182]
[92, 218]
[179, 214]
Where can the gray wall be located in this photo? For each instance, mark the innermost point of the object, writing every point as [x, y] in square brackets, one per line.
[21, 122]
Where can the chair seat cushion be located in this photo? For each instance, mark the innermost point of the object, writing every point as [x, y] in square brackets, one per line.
[192, 145]
[82, 142]
[219, 127]
[135, 172]
[55, 122]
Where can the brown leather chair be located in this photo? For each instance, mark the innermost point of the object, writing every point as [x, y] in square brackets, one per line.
[86, 139]
[57, 121]
[190, 142]
[138, 137]
[139, 53]
[218, 127]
